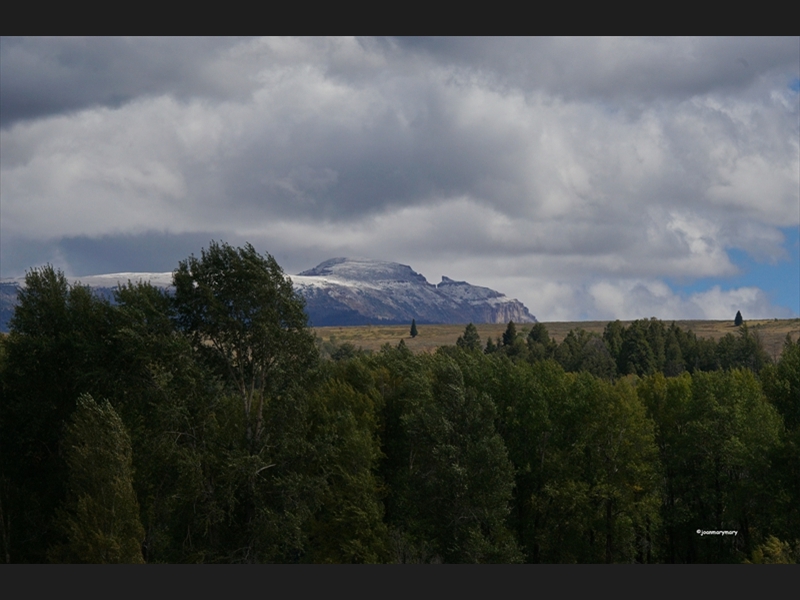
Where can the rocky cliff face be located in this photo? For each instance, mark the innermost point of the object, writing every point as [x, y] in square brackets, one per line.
[351, 291]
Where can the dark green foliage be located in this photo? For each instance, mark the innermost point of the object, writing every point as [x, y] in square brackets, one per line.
[459, 479]
[568, 352]
[584, 351]
[738, 320]
[613, 336]
[744, 350]
[60, 340]
[100, 522]
[240, 446]
[348, 527]
[706, 355]
[540, 346]
[781, 384]
[656, 334]
[636, 355]
[345, 352]
[750, 353]
[673, 355]
[414, 331]
[599, 502]
[510, 334]
[715, 434]
[470, 340]
[247, 322]
[596, 359]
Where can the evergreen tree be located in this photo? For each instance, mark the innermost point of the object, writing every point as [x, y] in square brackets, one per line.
[470, 340]
[413, 328]
[101, 519]
[750, 352]
[613, 335]
[510, 334]
[584, 351]
[738, 320]
[635, 355]
[596, 359]
[540, 346]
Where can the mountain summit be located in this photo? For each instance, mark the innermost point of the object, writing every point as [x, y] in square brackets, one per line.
[360, 291]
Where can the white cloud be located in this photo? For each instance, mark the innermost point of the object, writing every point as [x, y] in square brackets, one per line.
[541, 163]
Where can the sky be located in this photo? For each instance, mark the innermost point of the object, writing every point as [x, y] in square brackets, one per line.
[590, 178]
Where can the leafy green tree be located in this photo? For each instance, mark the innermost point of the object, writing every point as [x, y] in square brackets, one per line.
[673, 355]
[522, 394]
[414, 331]
[348, 527]
[706, 354]
[750, 352]
[613, 336]
[470, 340]
[584, 351]
[60, 343]
[599, 502]
[569, 350]
[781, 384]
[540, 345]
[245, 318]
[716, 436]
[636, 356]
[656, 334]
[101, 517]
[773, 552]
[596, 359]
[449, 474]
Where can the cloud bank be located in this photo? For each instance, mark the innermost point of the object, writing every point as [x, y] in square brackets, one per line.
[576, 175]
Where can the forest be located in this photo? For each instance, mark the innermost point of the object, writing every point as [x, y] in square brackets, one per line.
[208, 424]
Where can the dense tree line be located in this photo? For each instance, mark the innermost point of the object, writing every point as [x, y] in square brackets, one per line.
[204, 425]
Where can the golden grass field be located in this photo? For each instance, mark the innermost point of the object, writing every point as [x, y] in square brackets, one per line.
[372, 337]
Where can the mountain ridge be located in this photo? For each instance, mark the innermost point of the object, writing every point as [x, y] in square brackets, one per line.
[348, 291]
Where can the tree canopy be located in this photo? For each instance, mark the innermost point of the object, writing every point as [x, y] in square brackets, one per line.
[222, 436]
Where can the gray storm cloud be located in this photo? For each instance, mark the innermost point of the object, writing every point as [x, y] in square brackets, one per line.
[518, 163]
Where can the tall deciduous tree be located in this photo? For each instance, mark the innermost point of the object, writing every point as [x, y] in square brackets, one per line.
[460, 477]
[59, 346]
[101, 519]
[245, 317]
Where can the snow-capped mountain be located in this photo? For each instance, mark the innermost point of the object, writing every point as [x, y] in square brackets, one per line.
[348, 291]
[359, 291]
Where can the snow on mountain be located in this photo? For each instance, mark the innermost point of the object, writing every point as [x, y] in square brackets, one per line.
[348, 291]
[356, 291]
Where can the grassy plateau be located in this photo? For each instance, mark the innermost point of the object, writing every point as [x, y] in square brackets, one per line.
[371, 337]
